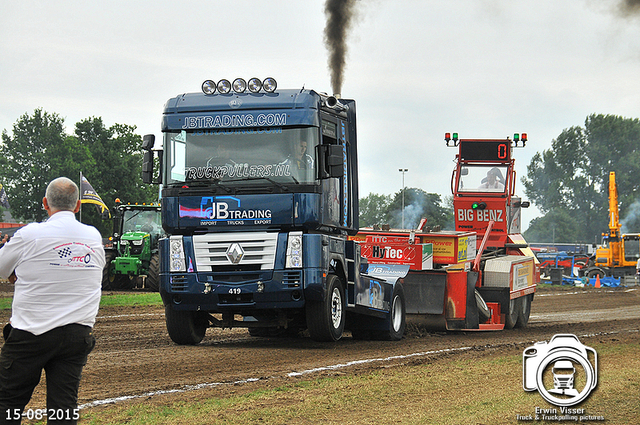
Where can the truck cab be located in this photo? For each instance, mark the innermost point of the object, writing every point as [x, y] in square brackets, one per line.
[259, 194]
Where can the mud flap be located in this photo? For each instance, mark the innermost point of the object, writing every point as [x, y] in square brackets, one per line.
[425, 292]
[471, 318]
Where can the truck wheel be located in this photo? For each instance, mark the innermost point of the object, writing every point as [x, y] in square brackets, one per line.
[325, 319]
[185, 327]
[484, 313]
[524, 311]
[153, 274]
[511, 315]
[397, 316]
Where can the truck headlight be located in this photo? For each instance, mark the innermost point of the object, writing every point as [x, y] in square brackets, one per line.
[137, 242]
[176, 254]
[294, 250]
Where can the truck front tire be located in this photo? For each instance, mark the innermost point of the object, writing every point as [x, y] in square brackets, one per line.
[186, 327]
[326, 319]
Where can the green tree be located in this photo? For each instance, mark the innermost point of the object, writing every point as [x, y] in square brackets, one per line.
[117, 170]
[373, 209]
[556, 226]
[39, 151]
[28, 162]
[571, 178]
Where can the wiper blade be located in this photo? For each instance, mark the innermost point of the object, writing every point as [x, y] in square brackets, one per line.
[273, 182]
[204, 183]
[133, 216]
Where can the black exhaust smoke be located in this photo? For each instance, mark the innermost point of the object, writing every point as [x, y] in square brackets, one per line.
[630, 7]
[339, 15]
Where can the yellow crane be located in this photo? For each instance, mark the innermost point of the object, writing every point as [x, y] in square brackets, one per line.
[618, 254]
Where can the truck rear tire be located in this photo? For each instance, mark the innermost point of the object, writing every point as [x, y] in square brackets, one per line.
[397, 317]
[185, 327]
[326, 319]
[511, 315]
[153, 274]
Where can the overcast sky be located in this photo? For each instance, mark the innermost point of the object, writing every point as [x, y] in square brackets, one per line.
[416, 68]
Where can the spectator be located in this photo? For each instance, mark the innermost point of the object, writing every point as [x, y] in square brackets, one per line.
[56, 267]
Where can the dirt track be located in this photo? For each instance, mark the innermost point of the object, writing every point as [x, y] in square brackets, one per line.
[134, 358]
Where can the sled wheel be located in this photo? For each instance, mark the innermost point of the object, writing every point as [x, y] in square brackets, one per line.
[511, 315]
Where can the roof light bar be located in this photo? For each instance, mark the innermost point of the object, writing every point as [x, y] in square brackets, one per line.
[269, 85]
[239, 85]
[255, 85]
[224, 86]
[209, 87]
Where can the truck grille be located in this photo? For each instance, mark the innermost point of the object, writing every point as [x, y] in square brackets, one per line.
[249, 251]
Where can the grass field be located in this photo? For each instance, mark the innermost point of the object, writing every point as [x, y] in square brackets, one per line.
[123, 299]
[470, 389]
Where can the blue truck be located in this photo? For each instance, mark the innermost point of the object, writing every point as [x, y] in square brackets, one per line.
[259, 198]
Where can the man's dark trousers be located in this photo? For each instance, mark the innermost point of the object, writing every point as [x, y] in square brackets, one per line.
[61, 352]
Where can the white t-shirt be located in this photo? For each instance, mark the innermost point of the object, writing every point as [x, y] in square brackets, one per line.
[58, 265]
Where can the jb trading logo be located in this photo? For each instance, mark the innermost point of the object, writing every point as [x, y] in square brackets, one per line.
[564, 372]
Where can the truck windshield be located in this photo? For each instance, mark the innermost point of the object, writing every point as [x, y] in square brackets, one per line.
[482, 178]
[142, 221]
[246, 156]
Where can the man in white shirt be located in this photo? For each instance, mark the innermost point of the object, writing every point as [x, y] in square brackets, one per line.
[56, 267]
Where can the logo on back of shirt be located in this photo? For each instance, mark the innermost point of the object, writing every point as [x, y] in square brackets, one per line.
[77, 254]
[64, 252]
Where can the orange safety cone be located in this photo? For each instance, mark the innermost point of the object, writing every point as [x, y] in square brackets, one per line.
[597, 281]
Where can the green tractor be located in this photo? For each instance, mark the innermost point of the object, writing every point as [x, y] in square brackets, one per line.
[132, 254]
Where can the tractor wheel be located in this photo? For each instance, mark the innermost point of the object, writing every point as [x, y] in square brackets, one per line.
[153, 274]
[511, 315]
[107, 280]
[524, 311]
[185, 327]
[326, 319]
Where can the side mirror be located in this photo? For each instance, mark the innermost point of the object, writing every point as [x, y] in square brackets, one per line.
[147, 167]
[148, 141]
